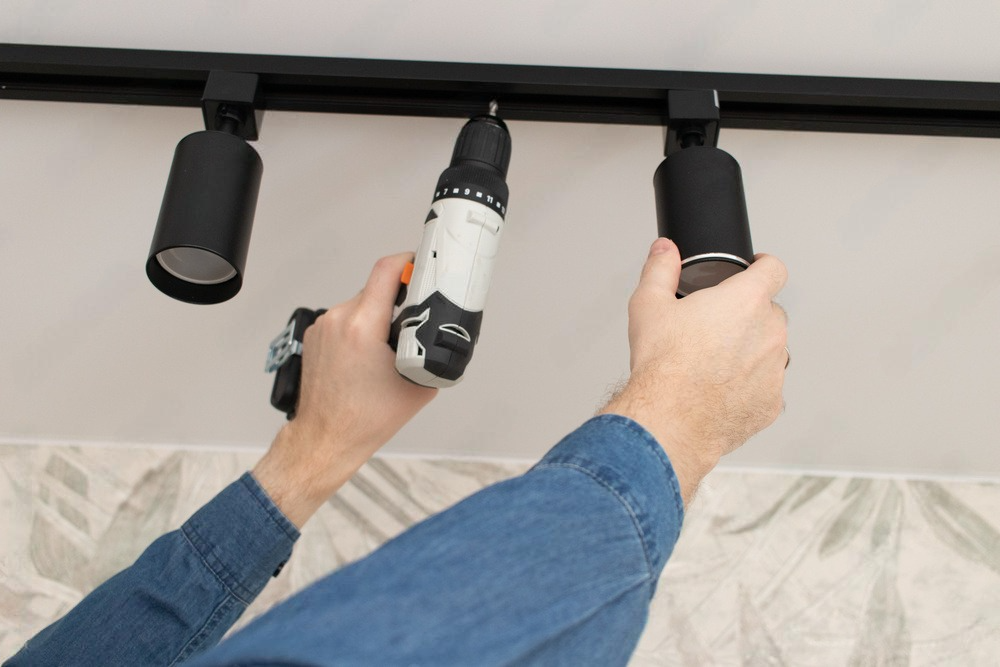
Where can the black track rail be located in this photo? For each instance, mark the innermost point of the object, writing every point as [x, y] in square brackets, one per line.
[563, 94]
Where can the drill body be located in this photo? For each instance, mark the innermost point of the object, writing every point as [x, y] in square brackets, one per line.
[439, 309]
[438, 318]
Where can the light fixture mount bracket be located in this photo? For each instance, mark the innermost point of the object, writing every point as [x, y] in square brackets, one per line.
[692, 119]
[232, 102]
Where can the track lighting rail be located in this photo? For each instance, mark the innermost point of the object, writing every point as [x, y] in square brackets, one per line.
[566, 94]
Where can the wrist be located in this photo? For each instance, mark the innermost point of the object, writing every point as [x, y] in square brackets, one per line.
[302, 469]
[691, 457]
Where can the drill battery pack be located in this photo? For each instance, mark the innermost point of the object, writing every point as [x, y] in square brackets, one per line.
[284, 358]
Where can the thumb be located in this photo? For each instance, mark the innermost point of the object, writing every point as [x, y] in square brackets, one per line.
[662, 270]
[379, 294]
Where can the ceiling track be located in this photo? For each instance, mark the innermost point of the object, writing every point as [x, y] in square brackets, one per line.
[525, 92]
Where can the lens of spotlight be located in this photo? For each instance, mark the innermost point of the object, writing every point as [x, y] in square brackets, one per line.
[707, 271]
[195, 265]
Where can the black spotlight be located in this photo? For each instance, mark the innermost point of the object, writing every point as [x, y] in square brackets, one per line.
[700, 203]
[199, 249]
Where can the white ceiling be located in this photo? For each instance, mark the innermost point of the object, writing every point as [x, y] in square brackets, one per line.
[893, 243]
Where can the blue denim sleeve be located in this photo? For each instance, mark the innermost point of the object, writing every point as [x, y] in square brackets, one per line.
[182, 594]
[554, 567]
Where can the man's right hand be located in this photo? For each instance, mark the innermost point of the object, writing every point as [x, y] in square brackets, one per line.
[707, 370]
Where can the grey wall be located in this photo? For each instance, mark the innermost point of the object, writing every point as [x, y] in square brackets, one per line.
[891, 242]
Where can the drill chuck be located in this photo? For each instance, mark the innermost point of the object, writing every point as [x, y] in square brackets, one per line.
[484, 142]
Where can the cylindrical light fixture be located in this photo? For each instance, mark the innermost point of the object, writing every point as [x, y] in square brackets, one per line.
[700, 203]
[199, 248]
[701, 207]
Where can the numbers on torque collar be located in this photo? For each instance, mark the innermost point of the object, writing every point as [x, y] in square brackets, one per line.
[473, 194]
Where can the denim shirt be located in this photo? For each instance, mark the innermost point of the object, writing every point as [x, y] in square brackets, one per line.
[556, 566]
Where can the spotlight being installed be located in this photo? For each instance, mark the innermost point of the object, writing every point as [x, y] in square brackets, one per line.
[199, 248]
[700, 202]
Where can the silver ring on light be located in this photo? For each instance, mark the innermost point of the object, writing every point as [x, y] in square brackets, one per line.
[716, 255]
[789, 355]
[725, 256]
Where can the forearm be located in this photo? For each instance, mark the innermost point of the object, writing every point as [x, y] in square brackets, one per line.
[189, 586]
[182, 594]
[556, 566]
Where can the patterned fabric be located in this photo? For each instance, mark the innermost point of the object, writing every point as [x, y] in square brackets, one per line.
[771, 568]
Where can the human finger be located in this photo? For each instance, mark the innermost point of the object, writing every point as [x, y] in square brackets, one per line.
[767, 272]
[780, 310]
[662, 270]
[379, 293]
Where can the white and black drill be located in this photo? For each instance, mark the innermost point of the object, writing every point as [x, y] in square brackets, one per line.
[439, 310]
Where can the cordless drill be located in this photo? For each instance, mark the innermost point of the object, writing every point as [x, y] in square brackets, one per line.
[439, 308]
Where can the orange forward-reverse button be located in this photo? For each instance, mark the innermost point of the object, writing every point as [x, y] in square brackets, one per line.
[407, 274]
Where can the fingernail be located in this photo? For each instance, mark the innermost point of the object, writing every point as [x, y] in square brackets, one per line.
[660, 246]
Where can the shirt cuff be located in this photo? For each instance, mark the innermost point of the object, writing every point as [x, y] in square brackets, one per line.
[242, 537]
[624, 456]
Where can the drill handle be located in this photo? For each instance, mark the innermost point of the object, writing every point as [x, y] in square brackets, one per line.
[284, 356]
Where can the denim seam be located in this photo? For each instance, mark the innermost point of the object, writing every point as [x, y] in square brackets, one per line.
[280, 520]
[650, 442]
[191, 539]
[640, 533]
[210, 624]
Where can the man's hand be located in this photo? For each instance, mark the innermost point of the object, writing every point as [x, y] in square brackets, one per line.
[706, 370]
[351, 402]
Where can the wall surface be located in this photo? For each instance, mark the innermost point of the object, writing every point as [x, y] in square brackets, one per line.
[770, 569]
[891, 242]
